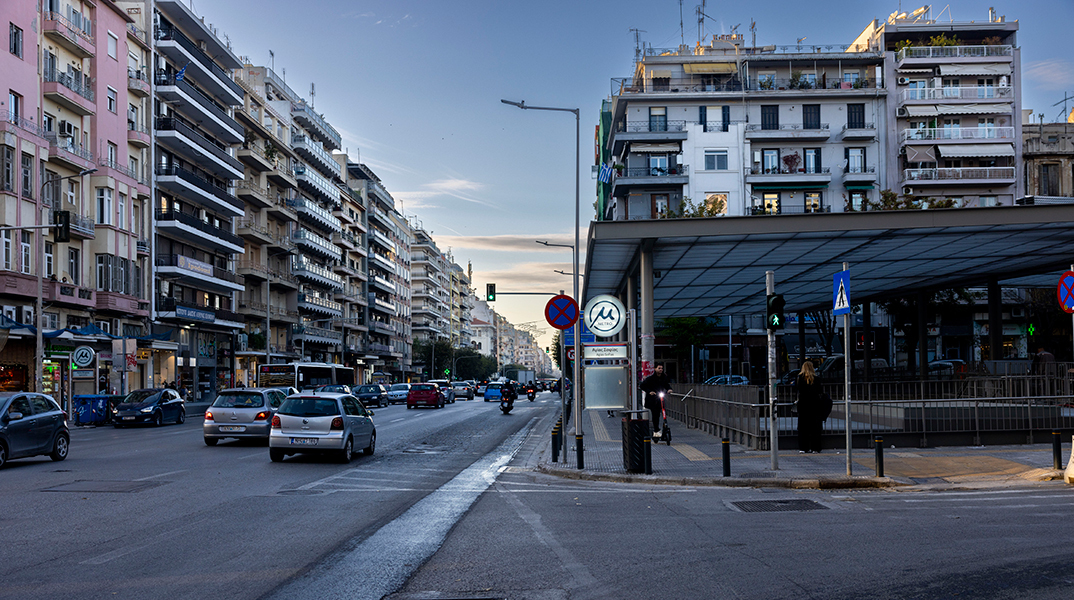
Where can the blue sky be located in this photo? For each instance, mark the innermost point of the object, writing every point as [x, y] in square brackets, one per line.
[414, 87]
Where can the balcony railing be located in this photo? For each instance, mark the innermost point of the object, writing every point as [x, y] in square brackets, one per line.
[984, 92]
[304, 111]
[75, 83]
[304, 142]
[68, 144]
[174, 260]
[308, 331]
[166, 32]
[172, 124]
[122, 169]
[958, 133]
[859, 170]
[317, 182]
[199, 97]
[762, 84]
[788, 127]
[201, 183]
[300, 266]
[325, 245]
[953, 52]
[951, 174]
[786, 171]
[656, 126]
[329, 305]
[858, 126]
[302, 205]
[202, 226]
[672, 171]
[24, 123]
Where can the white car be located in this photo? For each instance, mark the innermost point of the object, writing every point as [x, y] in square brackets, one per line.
[322, 423]
[398, 393]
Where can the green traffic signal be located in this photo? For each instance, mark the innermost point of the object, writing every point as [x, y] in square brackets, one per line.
[775, 317]
[490, 292]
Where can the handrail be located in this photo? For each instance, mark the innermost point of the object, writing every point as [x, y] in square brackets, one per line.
[200, 97]
[75, 84]
[166, 32]
[173, 124]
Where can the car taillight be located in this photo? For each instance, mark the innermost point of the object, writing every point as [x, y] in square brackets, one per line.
[275, 421]
[208, 416]
[337, 423]
[261, 416]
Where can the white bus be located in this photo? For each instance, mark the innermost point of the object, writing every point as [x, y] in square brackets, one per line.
[304, 375]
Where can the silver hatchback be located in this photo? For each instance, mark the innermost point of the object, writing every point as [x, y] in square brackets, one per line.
[322, 423]
[243, 413]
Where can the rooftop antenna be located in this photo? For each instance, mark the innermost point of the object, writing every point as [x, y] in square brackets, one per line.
[313, 93]
[272, 60]
[682, 34]
[637, 44]
[700, 10]
[1064, 103]
[753, 30]
[800, 40]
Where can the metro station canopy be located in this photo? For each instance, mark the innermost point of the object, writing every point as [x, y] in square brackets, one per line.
[714, 266]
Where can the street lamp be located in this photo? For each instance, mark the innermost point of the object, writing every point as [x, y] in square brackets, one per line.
[577, 245]
[40, 358]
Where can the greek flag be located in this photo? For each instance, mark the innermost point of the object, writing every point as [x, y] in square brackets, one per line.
[605, 175]
[182, 73]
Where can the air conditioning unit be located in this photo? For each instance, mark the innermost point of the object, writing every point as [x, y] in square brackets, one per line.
[756, 156]
[904, 80]
[67, 128]
[902, 112]
[9, 312]
[1018, 312]
[26, 315]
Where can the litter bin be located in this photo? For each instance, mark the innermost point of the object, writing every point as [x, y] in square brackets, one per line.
[91, 409]
[636, 457]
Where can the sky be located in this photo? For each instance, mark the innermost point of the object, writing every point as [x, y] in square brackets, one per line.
[414, 87]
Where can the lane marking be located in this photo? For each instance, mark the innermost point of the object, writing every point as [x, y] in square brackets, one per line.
[160, 537]
[161, 475]
[397, 420]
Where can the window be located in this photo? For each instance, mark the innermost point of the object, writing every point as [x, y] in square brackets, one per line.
[121, 211]
[716, 203]
[6, 235]
[771, 161]
[658, 165]
[951, 129]
[111, 100]
[715, 160]
[27, 175]
[658, 118]
[766, 80]
[48, 122]
[52, 321]
[72, 191]
[858, 201]
[810, 116]
[985, 88]
[987, 201]
[104, 206]
[27, 244]
[769, 117]
[113, 152]
[660, 205]
[855, 160]
[76, 322]
[113, 44]
[986, 127]
[74, 265]
[14, 105]
[50, 267]
[771, 203]
[14, 44]
[7, 169]
[812, 202]
[812, 160]
[855, 116]
[950, 88]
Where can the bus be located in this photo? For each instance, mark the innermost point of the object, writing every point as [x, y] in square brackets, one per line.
[304, 375]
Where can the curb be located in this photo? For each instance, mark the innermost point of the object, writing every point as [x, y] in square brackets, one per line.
[819, 483]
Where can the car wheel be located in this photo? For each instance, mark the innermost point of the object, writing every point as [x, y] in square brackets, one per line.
[60, 447]
[368, 450]
[347, 451]
[181, 418]
[158, 420]
[275, 454]
[3, 454]
[211, 441]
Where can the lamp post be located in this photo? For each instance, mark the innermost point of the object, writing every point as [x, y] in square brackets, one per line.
[40, 358]
[577, 283]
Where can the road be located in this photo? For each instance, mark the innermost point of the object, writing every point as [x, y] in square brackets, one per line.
[450, 507]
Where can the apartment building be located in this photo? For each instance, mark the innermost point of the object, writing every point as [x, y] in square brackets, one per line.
[462, 302]
[73, 138]
[1048, 152]
[431, 292]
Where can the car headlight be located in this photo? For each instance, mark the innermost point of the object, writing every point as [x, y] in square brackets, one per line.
[148, 409]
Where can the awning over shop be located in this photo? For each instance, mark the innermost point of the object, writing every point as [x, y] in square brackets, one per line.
[762, 187]
[976, 69]
[922, 111]
[916, 154]
[710, 68]
[655, 148]
[969, 150]
[974, 109]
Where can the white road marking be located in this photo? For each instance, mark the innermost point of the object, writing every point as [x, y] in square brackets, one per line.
[161, 475]
[404, 418]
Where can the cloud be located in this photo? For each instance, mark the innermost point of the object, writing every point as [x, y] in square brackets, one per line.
[459, 188]
[529, 276]
[414, 201]
[1053, 74]
[506, 243]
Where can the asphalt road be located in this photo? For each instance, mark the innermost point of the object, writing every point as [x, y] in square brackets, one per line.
[154, 513]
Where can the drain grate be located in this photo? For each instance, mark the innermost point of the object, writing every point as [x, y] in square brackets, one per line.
[115, 487]
[795, 505]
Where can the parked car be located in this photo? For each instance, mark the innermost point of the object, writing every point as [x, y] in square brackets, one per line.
[31, 425]
[324, 423]
[424, 394]
[242, 413]
[445, 389]
[371, 394]
[493, 392]
[335, 388]
[398, 393]
[462, 389]
[727, 380]
[150, 405]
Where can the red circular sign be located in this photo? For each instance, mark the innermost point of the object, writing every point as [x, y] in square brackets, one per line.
[570, 353]
[561, 312]
[1065, 292]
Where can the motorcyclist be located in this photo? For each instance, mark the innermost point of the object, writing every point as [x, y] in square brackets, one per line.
[509, 393]
[653, 385]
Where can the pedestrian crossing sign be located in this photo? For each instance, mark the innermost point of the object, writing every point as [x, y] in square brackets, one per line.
[841, 293]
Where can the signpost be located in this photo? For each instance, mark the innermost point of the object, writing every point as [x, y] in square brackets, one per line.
[561, 312]
[841, 306]
[1065, 292]
[83, 356]
[605, 315]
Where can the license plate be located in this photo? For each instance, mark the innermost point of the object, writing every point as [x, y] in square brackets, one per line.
[304, 441]
[232, 429]
[128, 418]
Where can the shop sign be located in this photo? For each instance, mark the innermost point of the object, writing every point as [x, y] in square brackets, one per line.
[82, 374]
[196, 266]
[83, 356]
[143, 354]
[183, 312]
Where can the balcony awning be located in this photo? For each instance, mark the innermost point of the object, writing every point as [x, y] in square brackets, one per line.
[978, 69]
[914, 70]
[659, 73]
[916, 154]
[710, 68]
[974, 109]
[764, 187]
[859, 186]
[655, 148]
[921, 111]
[971, 150]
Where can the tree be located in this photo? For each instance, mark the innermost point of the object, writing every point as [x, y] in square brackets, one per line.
[423, 355]
[824, 322]
[685, 333]
[557, 342]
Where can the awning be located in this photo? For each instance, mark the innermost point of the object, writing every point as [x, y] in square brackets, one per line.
[914, 70]
[859, 186]
[969, 150]
[762, 187]
[921, 111]
[659, 74]
[917, 154]
[717, 68]
[974, 109]
[976, 69]
[655, 148]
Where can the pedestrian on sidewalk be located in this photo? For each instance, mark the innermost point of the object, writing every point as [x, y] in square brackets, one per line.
[652, 386]
[810, 410]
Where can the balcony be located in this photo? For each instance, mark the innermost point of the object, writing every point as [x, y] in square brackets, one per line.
[382, 284]
[183, 226]
[138, 34]
[344, 268]
[182, 51]
[138, 83]
[281, 209]
[69, 91]
[64, 150]
[76, 37]
[193, 104]
[315, 214]
[315, 273]
[203, 192]
[179, 137]
[315, 124]
[285, 280]
[384, 262]
[381, 349]
[121, 303]
[382, 240]
[143, 247]
[170, 308]
[285, 315]
[252, 194]
[281, 244]
[858, 131]
[58, 292]
[817, 177]
[348, 293]
[649, 132]
[254, 157]
[82, 228]
[815, 132]
[317, 156]
[316, 184]
[253, 272]
[957, 133]
[320, 305]
[138, 135]
[316, 335]
[382, 327]
[344, 239]
[322, 247]
[970, 175]
[773, 86]
[282, 174]
[949, 53]
[984, 93]
[198, 274]
[375, 302]
[254, 232]
[675, 175]
[859, 175]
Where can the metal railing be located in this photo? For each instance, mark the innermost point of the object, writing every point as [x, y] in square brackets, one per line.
[672, 171]
[788, 127]
[83, 30]
[303, 110]
[172, 260]
[24, 123]
[201, 98]
[958, 173]
[67, 144]
[654, 126]
[314, 147]
[75, 83]
[305, 206]
[166, 32]
[762, 84]
[788, 209]
[122, 169]
[984, 92]
[786, 171]
[216, 149]
[953, 52]
[318, 182]
[855, 126]
[958, 133]
[859, 170]
[201, 183]
[321, 243]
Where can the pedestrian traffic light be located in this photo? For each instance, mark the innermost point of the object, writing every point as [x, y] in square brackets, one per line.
[490, 292]
[62, 221]
[775, 311]
[447, 371]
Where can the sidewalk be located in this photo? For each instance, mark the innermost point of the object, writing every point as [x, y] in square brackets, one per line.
[695, 458]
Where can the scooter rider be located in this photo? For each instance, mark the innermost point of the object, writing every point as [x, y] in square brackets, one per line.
[509, 393]
[652, 386]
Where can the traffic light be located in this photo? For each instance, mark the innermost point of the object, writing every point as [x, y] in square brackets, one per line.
[490, 292]
[775, 311]
[62, 221]
[447, 371]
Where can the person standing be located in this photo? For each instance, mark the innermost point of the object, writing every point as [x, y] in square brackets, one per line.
[652, 386]
[811, 413]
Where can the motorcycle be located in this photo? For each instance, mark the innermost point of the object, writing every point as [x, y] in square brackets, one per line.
[506, 405]
[531, 394]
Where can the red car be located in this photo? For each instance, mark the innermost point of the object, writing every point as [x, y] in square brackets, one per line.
[424, 394]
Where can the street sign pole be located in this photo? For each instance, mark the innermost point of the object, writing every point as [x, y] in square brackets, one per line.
[773, 422]
[848, 364]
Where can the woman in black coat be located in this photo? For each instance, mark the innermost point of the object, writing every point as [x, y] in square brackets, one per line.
[810, 413]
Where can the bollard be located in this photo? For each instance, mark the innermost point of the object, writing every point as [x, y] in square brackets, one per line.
[879, 443]
[1057, 451]
[578, 447]
[726, 443]
[648, 442]
[555, 442]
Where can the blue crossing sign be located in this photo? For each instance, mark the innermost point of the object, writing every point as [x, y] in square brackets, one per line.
[841, 293]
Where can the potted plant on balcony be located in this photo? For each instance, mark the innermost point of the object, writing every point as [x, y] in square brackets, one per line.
[271, 152]
[791, 162]
[619, 169]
